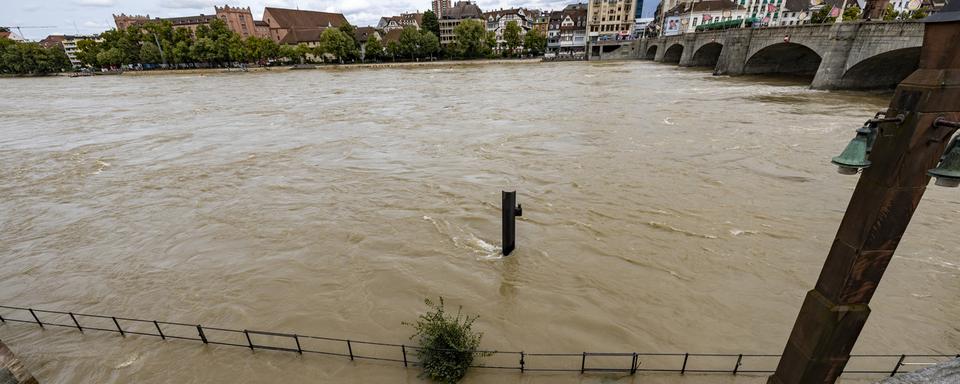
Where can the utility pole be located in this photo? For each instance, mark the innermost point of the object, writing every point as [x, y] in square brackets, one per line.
[886, 197]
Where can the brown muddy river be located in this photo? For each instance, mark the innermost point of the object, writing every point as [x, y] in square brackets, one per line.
[665, 210]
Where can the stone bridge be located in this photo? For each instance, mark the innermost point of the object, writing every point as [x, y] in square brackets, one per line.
[851, 55]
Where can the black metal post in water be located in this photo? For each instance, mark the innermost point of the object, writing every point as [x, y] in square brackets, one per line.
[510, 212]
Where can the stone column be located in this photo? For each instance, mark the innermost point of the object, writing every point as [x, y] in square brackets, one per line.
[834, 61]
[733, 56]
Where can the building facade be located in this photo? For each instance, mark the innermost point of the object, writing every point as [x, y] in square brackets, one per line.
[293, 26]
[496, 22]
[567, 34]
[390, 23]
[711, 11]
[440, 6]
[463, 10]
[610, 19]
[239, 20]
[68, 43]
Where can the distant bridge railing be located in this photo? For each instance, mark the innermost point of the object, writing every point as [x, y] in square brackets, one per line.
[582, 362]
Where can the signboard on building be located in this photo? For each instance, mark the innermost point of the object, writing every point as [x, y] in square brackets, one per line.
[672, 26]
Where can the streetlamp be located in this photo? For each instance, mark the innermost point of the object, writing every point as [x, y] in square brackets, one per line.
[855, 156]
[905, 152]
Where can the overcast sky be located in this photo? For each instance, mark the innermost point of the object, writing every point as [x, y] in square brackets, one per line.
[94, 16]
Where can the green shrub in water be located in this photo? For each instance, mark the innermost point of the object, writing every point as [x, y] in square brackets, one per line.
[447, 343]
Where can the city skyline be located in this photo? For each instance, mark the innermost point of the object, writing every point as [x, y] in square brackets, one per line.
[95, 16]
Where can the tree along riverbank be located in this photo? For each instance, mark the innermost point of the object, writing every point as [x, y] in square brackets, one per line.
[210, 71]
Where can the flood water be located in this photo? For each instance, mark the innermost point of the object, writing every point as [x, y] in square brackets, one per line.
[665, 210]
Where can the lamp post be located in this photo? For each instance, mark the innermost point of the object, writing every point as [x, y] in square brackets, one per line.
[895, 175]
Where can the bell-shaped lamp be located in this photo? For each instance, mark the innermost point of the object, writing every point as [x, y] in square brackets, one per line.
[854, 157]
[948, 172]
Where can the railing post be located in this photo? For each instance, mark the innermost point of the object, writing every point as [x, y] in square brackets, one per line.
[35, 317]
[200, 332]
[737, 367]
[159, 331]
[683, 369]
[522, 363]
[297, 339]
[249, 342]
[117, 323]
[633, 366]
[350, 349]
[75, 321]
[403, 348]
[2, 320]
[583, 363]
[899, 364]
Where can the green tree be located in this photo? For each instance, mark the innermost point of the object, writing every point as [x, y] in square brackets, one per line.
[920, 13]
[112, 57]
[87, 51]
[289, 53]
[393, 50]
[470, 38]
[351, 32]
[512, 38]
[372, 49]
[150, 54]
[261, 49]
[889, 13]
[337, 44]
[851, 13]
[204, 50]
[535, 42]
[182, 53]
[822, 16]
[429, 44]
[431, 23]
[410, 42]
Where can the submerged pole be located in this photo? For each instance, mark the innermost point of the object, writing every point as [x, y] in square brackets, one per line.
[510, 212]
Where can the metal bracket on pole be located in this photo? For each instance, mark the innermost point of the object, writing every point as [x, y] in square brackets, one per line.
[510, 212]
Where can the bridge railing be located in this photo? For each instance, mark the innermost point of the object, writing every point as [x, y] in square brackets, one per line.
[578, 362]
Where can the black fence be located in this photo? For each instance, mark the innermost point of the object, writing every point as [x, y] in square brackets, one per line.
[582, 362]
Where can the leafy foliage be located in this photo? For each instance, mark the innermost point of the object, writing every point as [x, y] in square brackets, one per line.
[448, 344]
[471, 40]
[431, 23]
[851, 13]
[31, 58]
[335, 43]
[535, 42]
[512, 37]
[373, 50]
[822, 16]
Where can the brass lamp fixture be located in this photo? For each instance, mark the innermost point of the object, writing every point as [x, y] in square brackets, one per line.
[856, 156]
[948, 171]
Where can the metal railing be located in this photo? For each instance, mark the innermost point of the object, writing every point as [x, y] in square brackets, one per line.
[582, 362]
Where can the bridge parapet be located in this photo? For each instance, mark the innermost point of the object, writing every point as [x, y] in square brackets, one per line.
[845, 55]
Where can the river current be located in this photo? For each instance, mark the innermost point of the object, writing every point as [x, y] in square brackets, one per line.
[665, 210]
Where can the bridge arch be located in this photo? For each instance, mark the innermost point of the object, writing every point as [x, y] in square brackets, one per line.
[707, 55]
[786, 58]
[673, 53]
[651, 52]
[884, 70]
